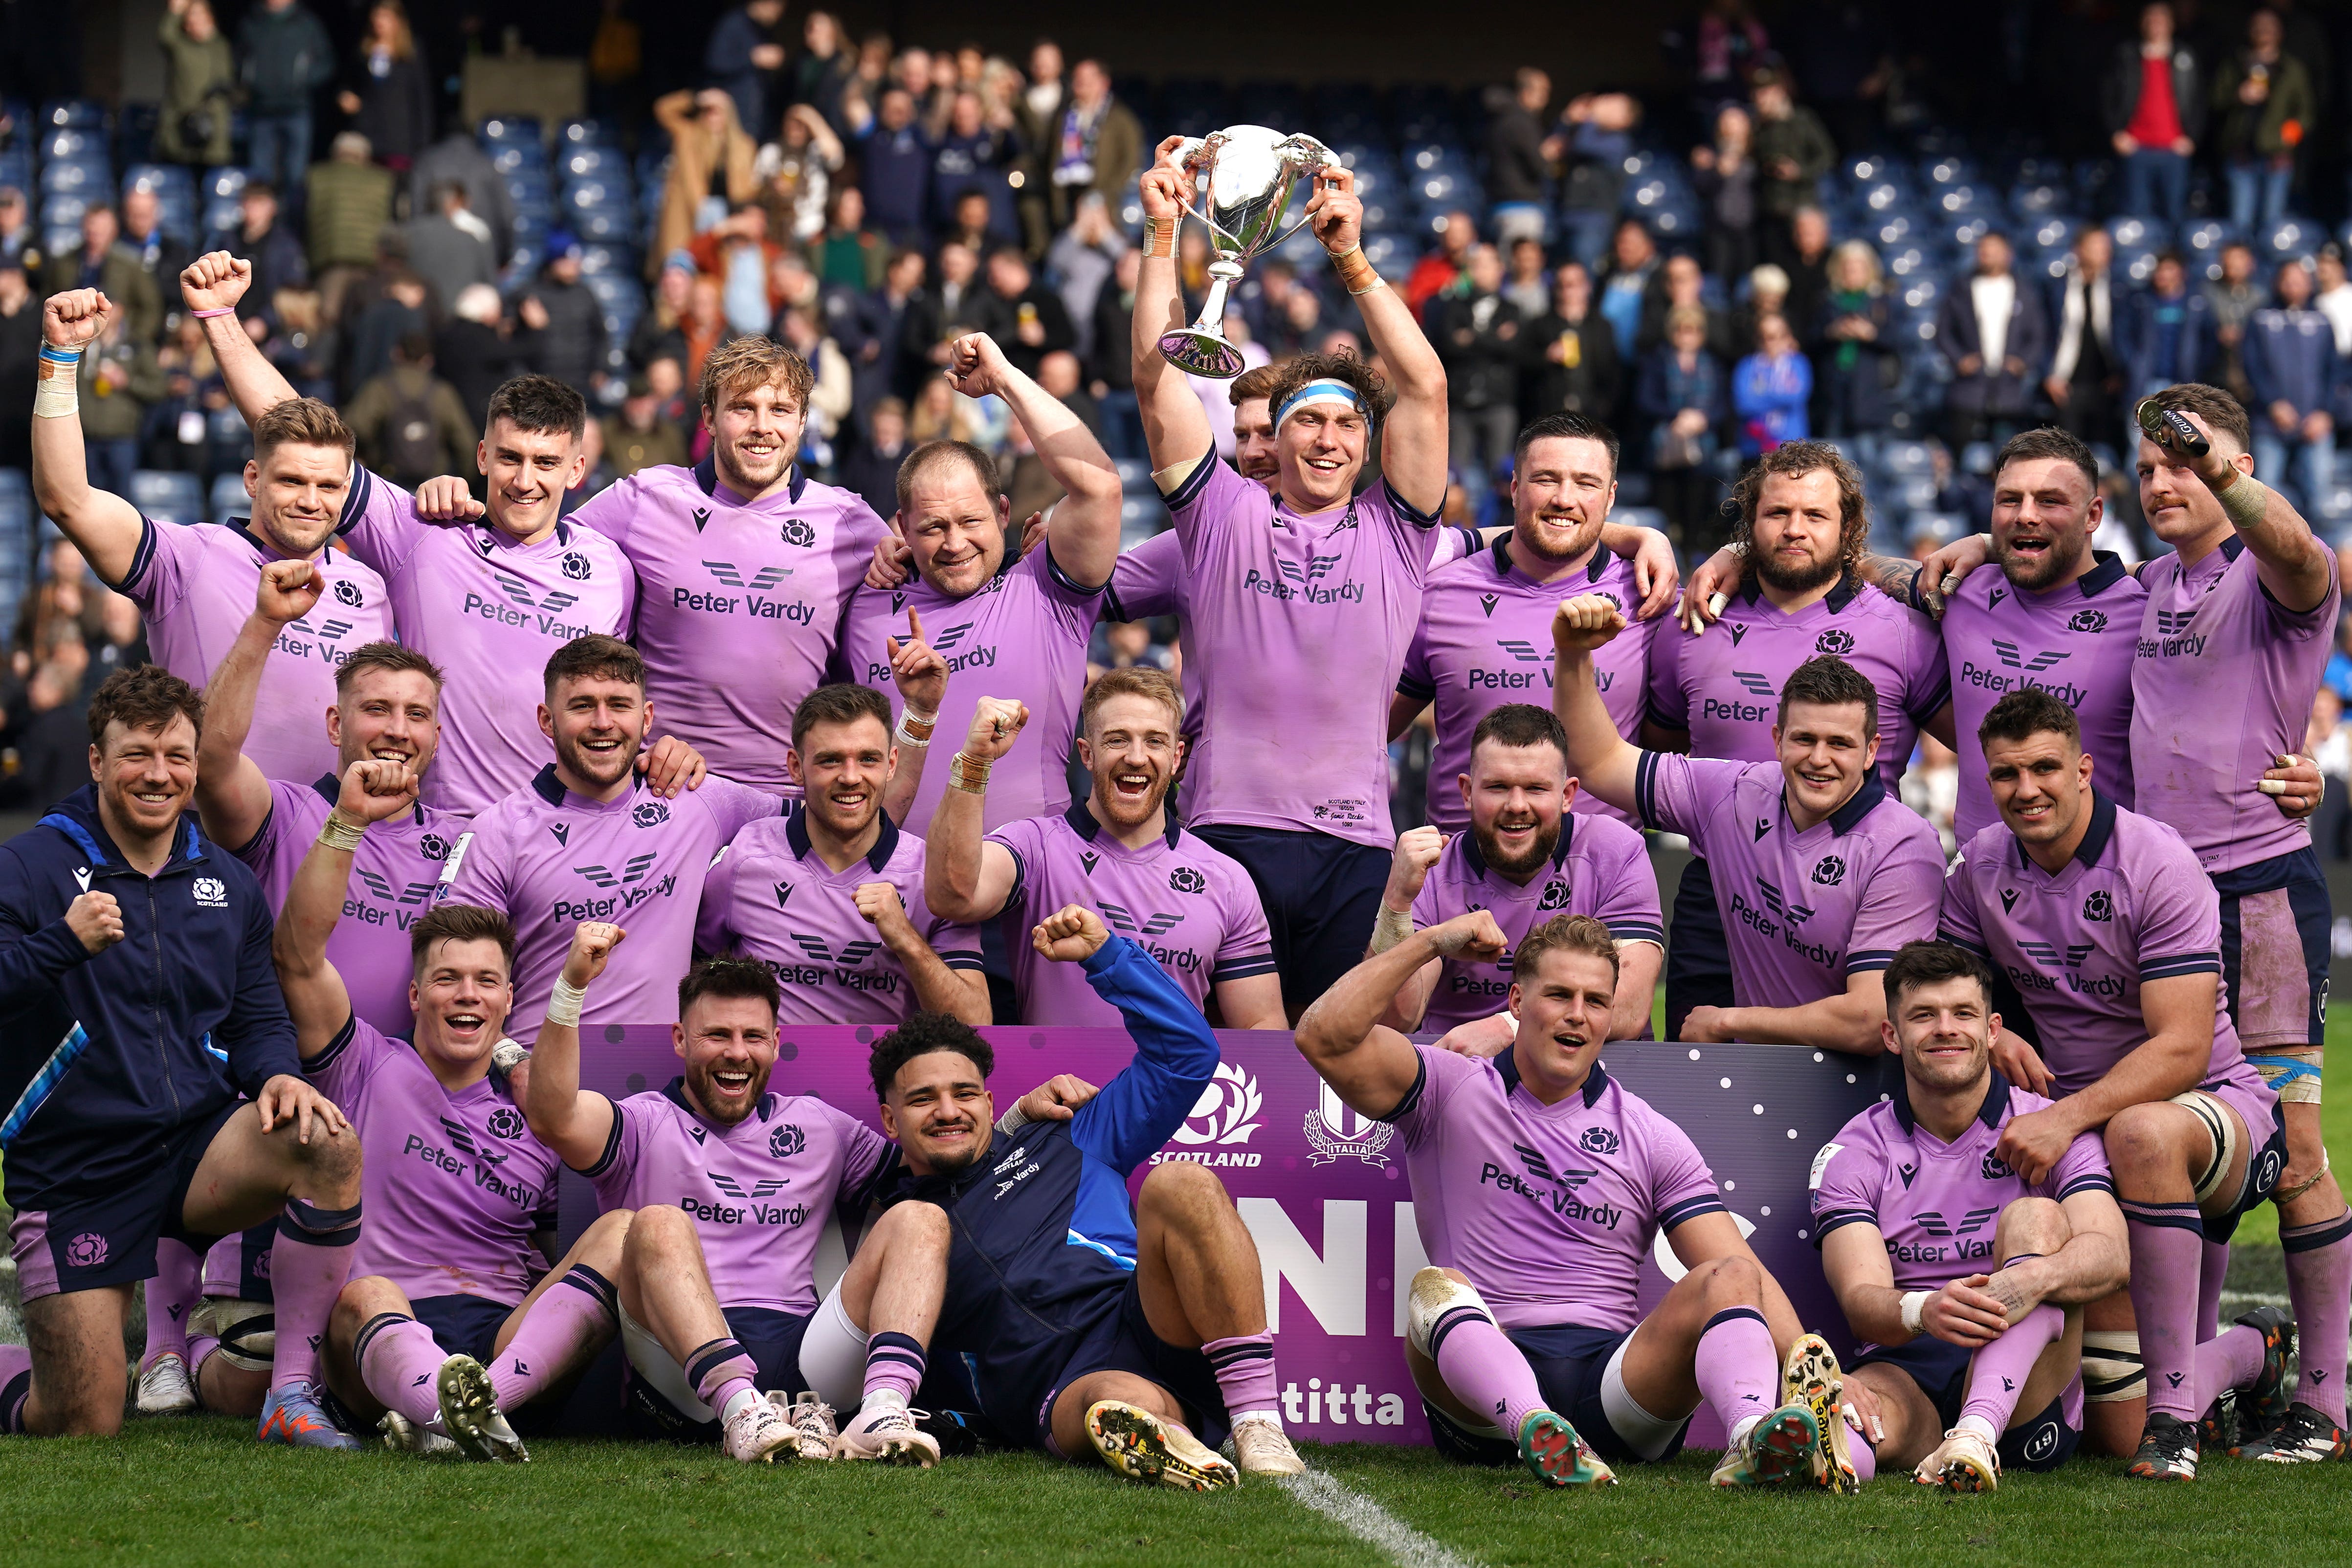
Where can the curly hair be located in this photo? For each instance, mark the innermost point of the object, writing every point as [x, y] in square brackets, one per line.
[729, 975]
[1343, 366]
[919, 1035]
[146, 697]
[1791, 460]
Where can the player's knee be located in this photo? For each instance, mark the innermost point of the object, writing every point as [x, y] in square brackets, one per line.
[1730, 1281]
[1441, 1300]
[2143, 1140]
[660, 1232]
[334, 1161]
[2032, 1225]
[1183, 1186]
[919, 1225]
[611, 1228]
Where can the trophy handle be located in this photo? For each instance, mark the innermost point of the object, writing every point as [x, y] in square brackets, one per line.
[1310, 157]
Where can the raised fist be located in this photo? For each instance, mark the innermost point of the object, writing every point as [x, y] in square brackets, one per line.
[995, 725]
[592, 941]
[976, 366]
[97, 919]
[1070, 934]
[289, 590]
[1474, 938]
[215, 281]
[1417, 850]
[74, 319]
[1581, 624]
[374, 791]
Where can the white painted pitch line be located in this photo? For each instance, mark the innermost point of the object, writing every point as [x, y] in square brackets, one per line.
[1372, 1523]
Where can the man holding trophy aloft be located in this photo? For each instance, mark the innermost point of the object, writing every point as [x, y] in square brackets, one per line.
[1303, 601]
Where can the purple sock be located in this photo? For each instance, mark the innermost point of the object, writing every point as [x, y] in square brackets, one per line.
[2230, 1359]
[1484, 1369]
[200, 1349]
[894, 1362]
[1736, 1370]
[2210, 1276]
[1864, 1457]
[307, 1268]
[2167, 1242]
[397, 1357]
[15, 1385]
[2319, 1284]
[1997, 1374]
[1245, 1376]
[172, 1295]
[574, 1313]
[720, 1371]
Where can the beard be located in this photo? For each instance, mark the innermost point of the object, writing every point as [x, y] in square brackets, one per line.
[706, 1094]
[1490, 848]
[2034, 574]
[1586, 535]
[1790, 579]
[592, 766]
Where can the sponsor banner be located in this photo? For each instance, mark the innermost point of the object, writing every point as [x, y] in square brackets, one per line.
[1324, 1190]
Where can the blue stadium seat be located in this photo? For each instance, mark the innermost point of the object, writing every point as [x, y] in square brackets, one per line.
[227, 183]
[1640, 517]
[580, 195]
[1948, 169]
[79, 177]
[508, 157]
[1134, 477]
[1893, 229]
[73, 142]
[64, 213]
[1140, 518]
[588, 133]
[2135, 263]
[604, 225]
[1884, 195]
[1969, 228]
[77, 113]
[1906, 459]
[2290, 236]
[1922, 292]
[1869, 169]
[2199, 241]
[228, 498]
[163, 179]
[530, 188]
[510, 130]
[594, 163]
[600, 260]
[2052, 232]
[1904, 260]
[617, 292]
[221, 217]
[1387, 250]
[2033, 200]
[168, 497]
[2154, 233]
[1955, 199]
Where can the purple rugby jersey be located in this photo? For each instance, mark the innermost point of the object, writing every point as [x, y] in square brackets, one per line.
[1600, 868]
[752, 588]
[491, 612]
[550, 860]
[1938, 1203]
[2222, 689]
[1299, 628]
[393, 874]
[760, 1192]
[2075, 642]
[2131, 906]
[454, 1183]
[1485, 639]
[1195, 911]
[1801, 911]
[1550, 1210]
[1022, 636]
[195, 584]
[1722, 686]
[772, 897]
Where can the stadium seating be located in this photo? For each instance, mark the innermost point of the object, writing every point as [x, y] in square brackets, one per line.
[167, 497]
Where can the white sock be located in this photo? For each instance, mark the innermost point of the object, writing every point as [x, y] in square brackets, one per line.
[743, 1400]
[1743, 1428]
[1981, 1427]
[880, 1400]
[1271, 1417]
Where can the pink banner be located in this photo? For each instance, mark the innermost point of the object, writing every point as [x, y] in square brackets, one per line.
[1324, 1190]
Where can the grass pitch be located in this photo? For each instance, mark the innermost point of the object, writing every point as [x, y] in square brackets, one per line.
[198, 1491]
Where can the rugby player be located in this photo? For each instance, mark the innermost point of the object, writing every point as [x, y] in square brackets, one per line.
[1025, 621]
[486, 602]
[193, 583]
[1822, 873]
[139, 1004]
[588, 838]
[1965, 1281]
[1539, 1184]
[1800, 535]
[1120, 851]
[2112, 936]
[1485, 637]
[1077, 1318]
[831, 897]
[730, 1189]
[451, 1323]
[1527, 856]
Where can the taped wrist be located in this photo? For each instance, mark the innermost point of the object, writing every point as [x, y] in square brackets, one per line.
[563, 1006]
[2244, 498]
[58, 393]
[1390, 927]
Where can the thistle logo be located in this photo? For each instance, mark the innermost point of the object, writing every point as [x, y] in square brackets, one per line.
[766, 1187]
[86, 1251]
[433, 847]
[1834, 641]
[1524, 653]
[852, 954]
[2047, 953]
[1995, 1169]
[1794, 913]
[1487, 601]
[2098, 906]
[1184, 879]
[1555, 896]
[412, 892]
[729, 575]
[650, 813]
[2008, 654]
[508, 1122]
[348, 592]
[1597, 1140]
[633, 870]
[519, 592]
[576, 566]
[1226, 1112]
[1334, 1128]
[2091, 621]
[211, 892]
[1932, 1223]
[786, 1141]
[795, 532]
[1831, 871]
[1119, 918]
[1315, 569]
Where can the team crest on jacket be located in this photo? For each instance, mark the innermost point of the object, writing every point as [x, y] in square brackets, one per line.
[787, 1140]
[1995, 1169]
[433, 847]
[1184, 879]
[1831, 871]
[576, 566]
[2097, 905]
[508, 1122]
[2088, 620]
[211, 892]
[1555, 895]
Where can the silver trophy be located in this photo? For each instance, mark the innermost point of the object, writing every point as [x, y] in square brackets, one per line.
[1243, 174]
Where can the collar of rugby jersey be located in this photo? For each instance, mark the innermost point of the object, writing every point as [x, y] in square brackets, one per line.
[877, 858]
[706, 478]
[2096, 839]
[1995, 1106]
[1506, 567]
[550, 789]
[1595, 1082]
[1838, 598]
[1082, 822]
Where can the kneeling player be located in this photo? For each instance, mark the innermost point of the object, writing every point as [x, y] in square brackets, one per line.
[440, 1332]
[1079, 1318]
[1584, 1176]
[1968, 1280]
[731, 1187]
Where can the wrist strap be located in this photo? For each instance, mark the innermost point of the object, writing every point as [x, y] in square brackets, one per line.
[915, 729]
[1159, 237]
[2243, 498]
[340, 832]
[1390, 926]
[1915, 1307]
[57, 356]
[217, 311]
[968, 775]
[563, 1006]
[57, 391]
[1012, 1121]
[1355, 272]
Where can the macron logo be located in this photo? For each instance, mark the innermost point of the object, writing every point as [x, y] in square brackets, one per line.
[81, 877]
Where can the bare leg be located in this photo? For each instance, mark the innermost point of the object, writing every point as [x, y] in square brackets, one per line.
[1196, 1266]
[1911, 1427]
[665, 1283]
[900, 1277]
[360, 1301]
[80, 1379]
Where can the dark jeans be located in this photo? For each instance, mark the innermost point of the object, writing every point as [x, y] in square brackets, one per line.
[2155, 185]
[281, 147]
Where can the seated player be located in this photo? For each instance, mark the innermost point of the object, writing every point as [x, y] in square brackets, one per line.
[1075, 1318]
[1965, 1281]
[1562, 1368]
[731, 1187]
[451, 1323]
[1526, 857]
[2112, 934]
[831, 897]
[1819, 873]
[137, 1005]
[1120, 851]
